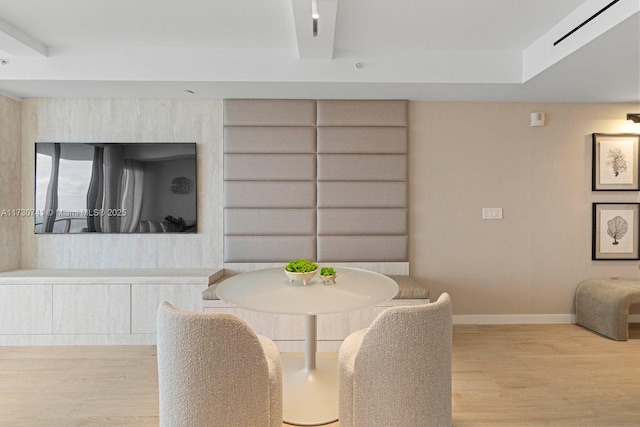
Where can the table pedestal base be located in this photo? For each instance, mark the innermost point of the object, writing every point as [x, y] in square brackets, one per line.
[310, 396]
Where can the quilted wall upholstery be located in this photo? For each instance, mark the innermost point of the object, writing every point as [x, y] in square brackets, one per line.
[325, 180]
[362, 151]
[269, 180]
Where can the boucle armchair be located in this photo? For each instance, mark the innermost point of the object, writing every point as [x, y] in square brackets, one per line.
[397, 373]
[213, 370]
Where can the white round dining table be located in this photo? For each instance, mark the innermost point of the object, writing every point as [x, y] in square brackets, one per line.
[310, 386]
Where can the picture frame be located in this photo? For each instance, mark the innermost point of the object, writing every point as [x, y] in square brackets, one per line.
[616, 229]
[615, 162]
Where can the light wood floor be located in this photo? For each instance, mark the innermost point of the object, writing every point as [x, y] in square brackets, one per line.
[507, 375]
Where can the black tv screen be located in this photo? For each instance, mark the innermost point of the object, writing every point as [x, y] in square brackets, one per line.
[115, 188]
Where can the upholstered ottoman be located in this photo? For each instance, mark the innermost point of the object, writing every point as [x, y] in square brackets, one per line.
[603, 306]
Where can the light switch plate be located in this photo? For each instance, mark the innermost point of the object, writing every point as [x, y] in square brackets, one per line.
[491, 213]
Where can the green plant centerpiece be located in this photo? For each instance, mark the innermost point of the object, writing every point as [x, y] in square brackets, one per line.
[328, 274]
[301, 269]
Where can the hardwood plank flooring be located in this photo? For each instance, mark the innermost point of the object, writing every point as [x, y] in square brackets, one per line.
[503, 375]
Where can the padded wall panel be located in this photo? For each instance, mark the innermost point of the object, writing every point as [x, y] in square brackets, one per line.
[362, 221]
[268, 248]
[270, 180]
[269, 167]
[258, 222]
[362, 113]
[337, 194]
[270, 194]
[362, 194]
[362, 140]
[269, 112]
[362, 248]
[362, 167]
[262, 139]
[340, 196]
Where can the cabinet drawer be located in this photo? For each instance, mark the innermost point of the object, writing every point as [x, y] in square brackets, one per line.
[91, 309]
[25, 309]
[146, 298]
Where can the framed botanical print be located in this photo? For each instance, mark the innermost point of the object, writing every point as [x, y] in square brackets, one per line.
[616, 227]
[615, 162]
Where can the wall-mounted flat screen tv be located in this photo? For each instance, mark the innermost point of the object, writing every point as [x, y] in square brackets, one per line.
[115, 187]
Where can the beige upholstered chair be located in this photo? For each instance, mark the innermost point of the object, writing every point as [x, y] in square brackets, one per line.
[397, 373]
[213, 370]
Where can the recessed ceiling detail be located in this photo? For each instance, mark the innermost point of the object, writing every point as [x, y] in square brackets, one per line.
[585, 22]
[428, 50]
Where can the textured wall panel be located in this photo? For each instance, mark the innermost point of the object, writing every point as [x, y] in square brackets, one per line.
[268, 248]
[257, 222]
[127, 120]
[269, 112]
[362, 167]
[362, 221]
[269, 162]
[262, 139]
[362, 248]
[269, 167]
[10, 183]
[362, 140]
[337, 194]
[362, 113]
[359, 164]
[270, 194]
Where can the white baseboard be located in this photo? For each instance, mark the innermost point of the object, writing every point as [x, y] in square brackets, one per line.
[507, 319]
[80, 339]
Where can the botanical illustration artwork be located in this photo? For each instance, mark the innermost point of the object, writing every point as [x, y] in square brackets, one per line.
[616, 231]
[614, 164]
[616, 228]
[616, 161]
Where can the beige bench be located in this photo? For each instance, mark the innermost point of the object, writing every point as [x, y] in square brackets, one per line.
[603, 306]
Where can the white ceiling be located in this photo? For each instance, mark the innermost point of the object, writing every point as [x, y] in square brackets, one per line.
[453, 50]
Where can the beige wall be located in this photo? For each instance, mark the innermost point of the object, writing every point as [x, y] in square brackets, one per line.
[127, 120]
[9, 183]
[469, 156]
[463, 157]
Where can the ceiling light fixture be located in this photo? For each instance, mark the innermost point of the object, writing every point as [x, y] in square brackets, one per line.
[634, 117]
[315, 15]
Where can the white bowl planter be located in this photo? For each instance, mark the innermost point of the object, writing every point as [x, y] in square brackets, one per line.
[305, 277]
[329, 278]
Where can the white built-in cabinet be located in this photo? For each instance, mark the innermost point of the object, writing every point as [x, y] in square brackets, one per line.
[71, 307]
[111, 306]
